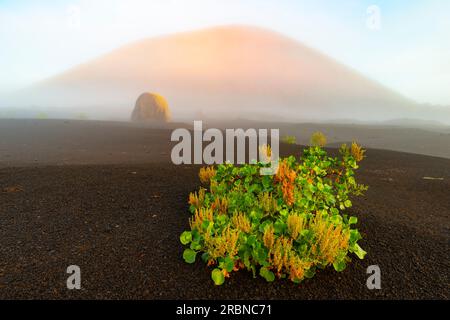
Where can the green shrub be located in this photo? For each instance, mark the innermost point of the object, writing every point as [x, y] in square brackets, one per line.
[284, 226]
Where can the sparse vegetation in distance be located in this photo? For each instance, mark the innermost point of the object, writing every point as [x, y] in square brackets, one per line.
[289, 139]
[42, 115]
[318, 139]
[289, 225]
[82, 116]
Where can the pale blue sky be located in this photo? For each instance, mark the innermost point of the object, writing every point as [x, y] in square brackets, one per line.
[410, 52]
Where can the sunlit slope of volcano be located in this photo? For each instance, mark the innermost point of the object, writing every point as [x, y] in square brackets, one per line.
[228, 72]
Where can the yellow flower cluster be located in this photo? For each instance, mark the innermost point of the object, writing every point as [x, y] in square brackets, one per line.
[241, 222]
[222, 245]
[221, 205]
[206, 174]
[197, 199]
[295, 225]
[357, 151]
[330, 239]
[284, 259]
[269, 237]
[267, 203]
[280, 253]
[286, 178]
[200, 216]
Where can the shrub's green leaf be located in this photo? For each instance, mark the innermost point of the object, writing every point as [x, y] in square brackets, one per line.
[267, 274]
[334, 211]
[284, 213]
[279, 227]
[264, 225]
[186, 237]
[354, 236]
[339, 266]
[256, 216]
[347, 203]
[195, 246]
[222, 219]
[310, 273]
[218, 277]
[228, 264]
[359, 251]
[261, 255]
[196, 235]
[303, 202]
[353, 220]
[267, 182]
[253, 268]
[189, 255]
[302, 248]
[205, 225]
[247, 259]
[336, 219]
[205, 257]
[306, 233]
[251, 240]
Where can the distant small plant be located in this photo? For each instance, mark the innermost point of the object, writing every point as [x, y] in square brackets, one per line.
[82, 116]
[289, 225]
[289, 139]
[42, 115]
[318, 139]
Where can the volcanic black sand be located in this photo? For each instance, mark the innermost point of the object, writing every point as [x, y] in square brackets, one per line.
[107, 198]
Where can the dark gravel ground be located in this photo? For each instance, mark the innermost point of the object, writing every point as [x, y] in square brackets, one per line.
[120, 224]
